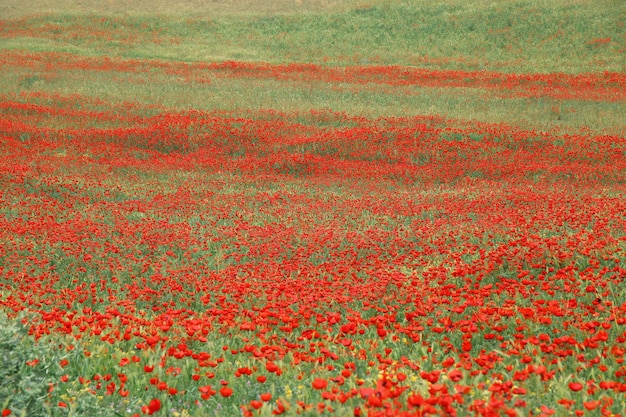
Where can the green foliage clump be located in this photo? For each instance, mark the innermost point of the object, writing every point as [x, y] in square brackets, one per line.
[27, 368]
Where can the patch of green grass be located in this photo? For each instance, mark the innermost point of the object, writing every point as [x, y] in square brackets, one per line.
[508, 36]
[26, 369]
[368, 100]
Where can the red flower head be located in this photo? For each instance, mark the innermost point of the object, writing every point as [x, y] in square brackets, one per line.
[153, 406]
[319, 383]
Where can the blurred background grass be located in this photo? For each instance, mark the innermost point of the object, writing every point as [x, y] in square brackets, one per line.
[506, 36]
[511, 36]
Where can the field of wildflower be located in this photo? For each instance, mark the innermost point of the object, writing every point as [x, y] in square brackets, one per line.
[316, 208]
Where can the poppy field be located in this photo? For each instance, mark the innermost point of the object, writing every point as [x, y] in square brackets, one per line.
[347, 236]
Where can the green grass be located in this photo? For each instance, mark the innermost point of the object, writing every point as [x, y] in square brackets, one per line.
[368, 100]
[25, 383]
[503, 36]
[509, 36]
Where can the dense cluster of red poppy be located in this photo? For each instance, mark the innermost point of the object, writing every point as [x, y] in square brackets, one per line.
[399, 265]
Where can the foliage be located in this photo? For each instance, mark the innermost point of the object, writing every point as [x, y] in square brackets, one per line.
[569, 37]
[27, 369]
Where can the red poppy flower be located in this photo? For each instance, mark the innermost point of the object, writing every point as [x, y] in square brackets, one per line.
[319, 383]
[206, 392]
[591, 405]
[575, 386]
[455, 375]
[280, 408]
[153, 406]
[226, 391]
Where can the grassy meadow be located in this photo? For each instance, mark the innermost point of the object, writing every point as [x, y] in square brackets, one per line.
[311, 207]
[510, 37]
